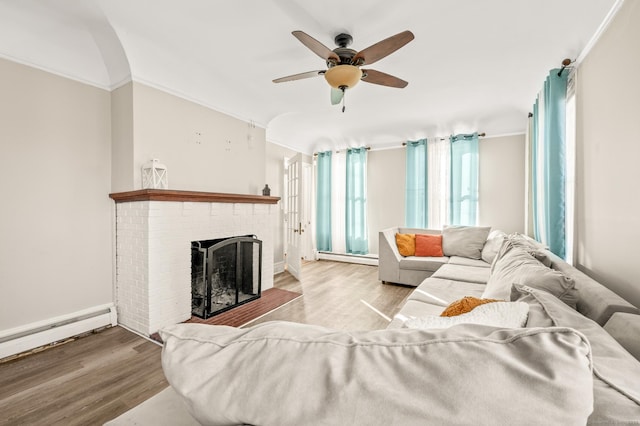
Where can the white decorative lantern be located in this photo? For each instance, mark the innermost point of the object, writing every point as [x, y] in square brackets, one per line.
[154, 175]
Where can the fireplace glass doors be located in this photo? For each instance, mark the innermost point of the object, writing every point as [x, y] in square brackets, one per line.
[225, 273]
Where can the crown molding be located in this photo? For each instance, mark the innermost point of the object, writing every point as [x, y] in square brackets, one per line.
[55, 72]
[600, 31]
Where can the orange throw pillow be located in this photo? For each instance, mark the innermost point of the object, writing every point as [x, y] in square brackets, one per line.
[464, 305]
[428, 245]
[406, 244]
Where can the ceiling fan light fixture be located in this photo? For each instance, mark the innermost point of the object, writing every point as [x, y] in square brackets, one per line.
[343, 76]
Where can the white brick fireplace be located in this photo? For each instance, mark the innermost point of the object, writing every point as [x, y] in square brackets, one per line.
[154, 231]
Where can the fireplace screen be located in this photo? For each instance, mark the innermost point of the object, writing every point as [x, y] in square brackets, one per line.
[225, 273]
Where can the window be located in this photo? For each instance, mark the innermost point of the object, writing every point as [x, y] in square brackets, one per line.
[442, 182]
[570, 173]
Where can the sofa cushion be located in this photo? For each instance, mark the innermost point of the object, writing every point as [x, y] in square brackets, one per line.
[415, 308]
[595, 301]
[429, 245]
[616, 372]
[625, 328]
[499, 314]
[465, 261]
[295, 374]
[465, 241]
[469, 274]
[442, 292]
[422, 263]
[516, 266]
[492, 245]
[531, 246]
[526, 242]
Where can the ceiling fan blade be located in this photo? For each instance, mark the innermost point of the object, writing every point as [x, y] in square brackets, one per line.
[315, 46]
[383, 48]
[377, 77]
[300, 76]
[336, 96]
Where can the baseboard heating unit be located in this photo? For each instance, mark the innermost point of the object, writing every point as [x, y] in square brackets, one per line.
[41, 333]
[349, 258]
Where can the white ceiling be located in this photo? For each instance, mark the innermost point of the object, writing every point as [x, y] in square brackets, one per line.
[475, 65]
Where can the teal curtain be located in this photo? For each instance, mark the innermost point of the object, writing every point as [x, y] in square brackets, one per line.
[464, 180]
[415, 198]
[549, 163]
[356, 202]
[323, 202]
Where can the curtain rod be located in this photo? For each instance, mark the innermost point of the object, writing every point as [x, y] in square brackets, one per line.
[481, 135]
[368, 148]
[565, 63]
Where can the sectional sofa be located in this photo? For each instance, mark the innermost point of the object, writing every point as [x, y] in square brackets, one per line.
[558, 365]
[557, 294]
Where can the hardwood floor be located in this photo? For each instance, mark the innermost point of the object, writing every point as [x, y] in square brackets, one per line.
[84, 382]
[333, 294]
[96, 378]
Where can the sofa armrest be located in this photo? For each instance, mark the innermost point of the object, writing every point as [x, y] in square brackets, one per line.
[388, 256]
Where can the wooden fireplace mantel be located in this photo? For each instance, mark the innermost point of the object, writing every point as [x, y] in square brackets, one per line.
[193, 196]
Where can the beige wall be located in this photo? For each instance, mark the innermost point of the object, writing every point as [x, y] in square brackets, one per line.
[386, 172]
[608, 155]
[204, 150]
[122, 139]
[501, 183]
[55, 175]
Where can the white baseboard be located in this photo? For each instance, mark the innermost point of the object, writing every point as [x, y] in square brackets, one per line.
[349, 258]
[278, 267]
[41, 333]
[140, 334]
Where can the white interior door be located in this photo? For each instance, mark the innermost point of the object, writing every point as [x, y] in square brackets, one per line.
[306, 212]
[293, 219]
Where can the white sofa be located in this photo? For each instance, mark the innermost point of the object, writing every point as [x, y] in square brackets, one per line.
[412, 270]
[563, 367]
[457, 277]
[608, 321]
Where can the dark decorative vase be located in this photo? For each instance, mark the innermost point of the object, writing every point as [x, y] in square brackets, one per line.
[266, 191]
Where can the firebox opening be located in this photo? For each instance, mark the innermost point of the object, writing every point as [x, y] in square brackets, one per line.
[225, 273]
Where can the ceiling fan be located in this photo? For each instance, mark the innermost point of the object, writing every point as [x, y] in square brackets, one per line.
[343, 64]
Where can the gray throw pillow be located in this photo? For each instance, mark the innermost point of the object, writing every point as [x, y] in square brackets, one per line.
[526, 242]
[516, 266]
[492, 245]
[534, 247]
[464, 241]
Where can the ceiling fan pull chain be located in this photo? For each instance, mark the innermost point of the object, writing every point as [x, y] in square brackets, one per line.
[344, 93]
